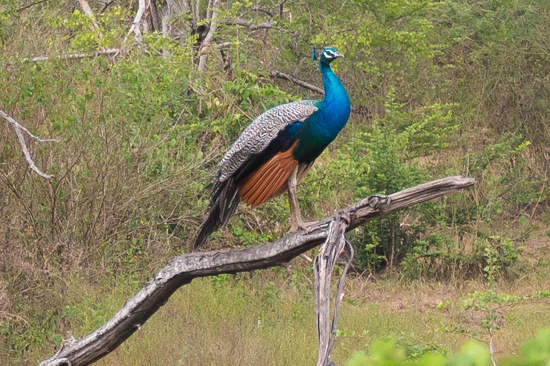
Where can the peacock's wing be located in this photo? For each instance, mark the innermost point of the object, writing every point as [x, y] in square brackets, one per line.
[264, 129]
[264, 143]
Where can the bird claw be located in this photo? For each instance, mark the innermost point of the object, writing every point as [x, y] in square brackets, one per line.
[378, 199]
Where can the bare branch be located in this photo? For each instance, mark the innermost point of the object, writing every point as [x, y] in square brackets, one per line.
[281, 8]
[209, 37]
[135, 25]
[209, 11]
[19, 129]
[109, 51]
[105, 6]
[259, 9]
[20, 10]
[250, 25]
[281, 75]
[183, 269]
[196, 12]
[304, 84]
[222, 45]
[88, 11]
[216, 46]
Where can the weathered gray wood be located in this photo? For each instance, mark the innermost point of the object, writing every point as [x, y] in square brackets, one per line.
[323, 268]
[183, 269]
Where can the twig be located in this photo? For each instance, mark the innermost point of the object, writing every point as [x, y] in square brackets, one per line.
[262, 25]
[491, 349]
[183, 269]
[20, 10]
[105, 6]
[18, 130]
[281, 75]
[281, 8]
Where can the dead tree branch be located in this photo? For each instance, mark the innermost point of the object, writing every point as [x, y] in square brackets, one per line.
[109, 51]
[19, 129]
[304, 84]
[21, 9]
[281, 75]
[183, 269]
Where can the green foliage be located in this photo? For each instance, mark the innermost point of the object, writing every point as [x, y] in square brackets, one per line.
[536, 352]
[384, 37]
[394, 147]
[389, 353]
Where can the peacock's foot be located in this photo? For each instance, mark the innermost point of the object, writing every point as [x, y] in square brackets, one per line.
[302, 225]
[375, 201]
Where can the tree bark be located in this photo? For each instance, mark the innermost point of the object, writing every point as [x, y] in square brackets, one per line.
[136, 23]
[323, 268]
[183, 269]
[203, 58]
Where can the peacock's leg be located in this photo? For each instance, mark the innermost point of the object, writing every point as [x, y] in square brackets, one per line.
[297, 222]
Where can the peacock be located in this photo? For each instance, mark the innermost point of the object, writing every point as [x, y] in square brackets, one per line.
[276, 150]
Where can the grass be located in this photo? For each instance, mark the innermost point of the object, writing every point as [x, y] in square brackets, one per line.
[268, 318]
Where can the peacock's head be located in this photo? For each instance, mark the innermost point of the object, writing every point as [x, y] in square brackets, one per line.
[329, 54]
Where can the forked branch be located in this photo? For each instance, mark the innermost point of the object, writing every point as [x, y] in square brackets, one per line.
[19, 129]
[183, 269]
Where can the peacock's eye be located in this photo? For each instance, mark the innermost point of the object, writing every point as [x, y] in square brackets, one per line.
[329, 54]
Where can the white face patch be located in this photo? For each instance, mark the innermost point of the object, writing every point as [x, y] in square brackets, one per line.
[329, 54]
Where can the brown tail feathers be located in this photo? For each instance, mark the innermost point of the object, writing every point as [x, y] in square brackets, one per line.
[269, 180]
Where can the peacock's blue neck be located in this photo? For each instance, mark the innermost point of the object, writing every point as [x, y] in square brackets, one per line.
[335, 106]
[322, 127]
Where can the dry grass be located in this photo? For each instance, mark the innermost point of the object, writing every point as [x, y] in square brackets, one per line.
[268, 318]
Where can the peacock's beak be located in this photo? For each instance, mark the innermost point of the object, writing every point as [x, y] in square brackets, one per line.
[338, 54]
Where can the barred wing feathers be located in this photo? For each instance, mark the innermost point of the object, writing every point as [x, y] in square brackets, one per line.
[260, 145]
[257, 136]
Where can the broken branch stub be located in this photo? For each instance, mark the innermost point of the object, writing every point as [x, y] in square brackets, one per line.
[183, 269]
